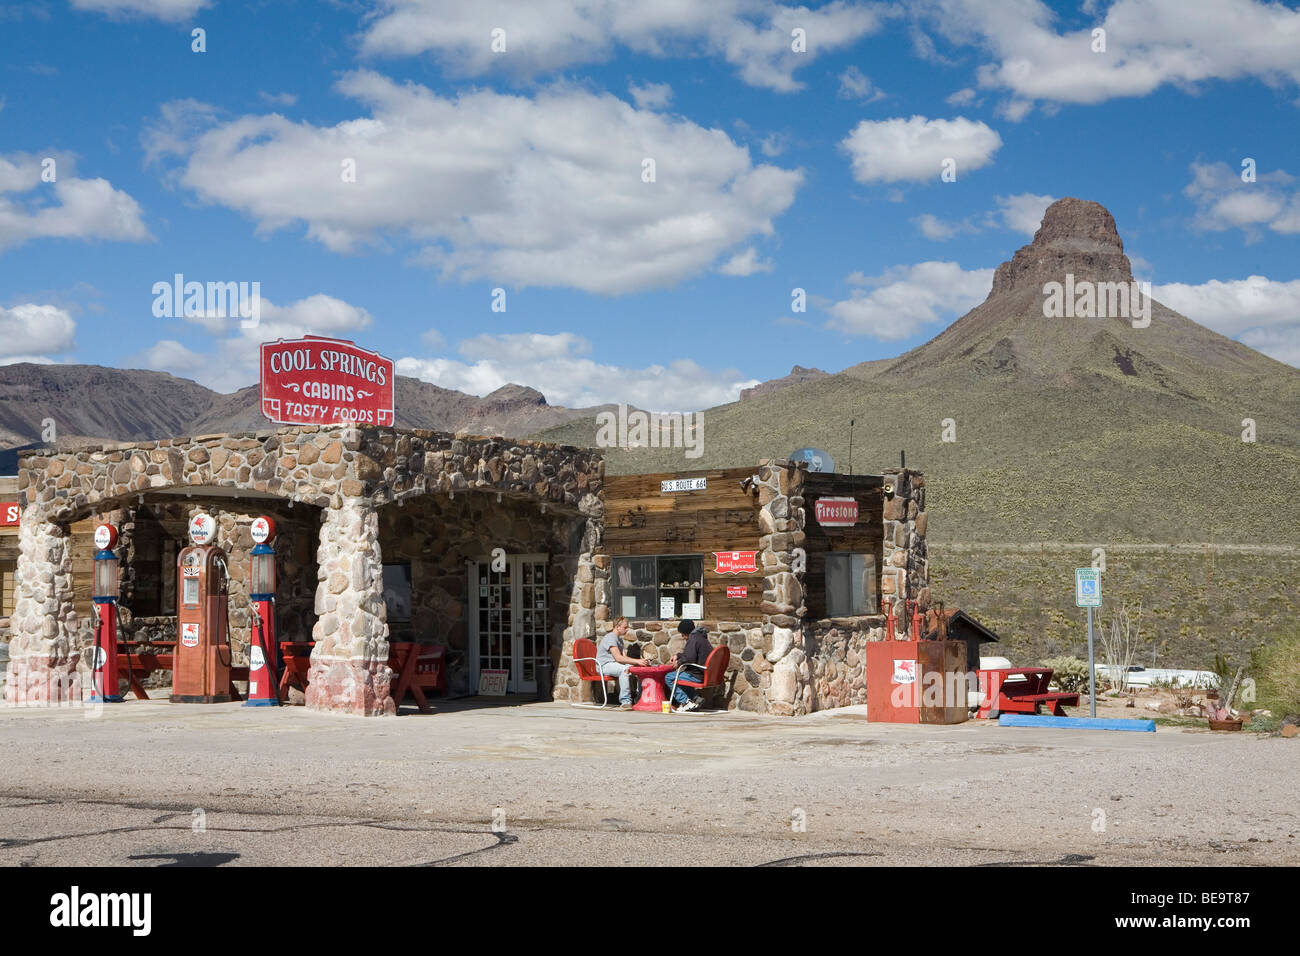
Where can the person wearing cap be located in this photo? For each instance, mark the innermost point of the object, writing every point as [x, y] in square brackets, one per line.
[696, 651]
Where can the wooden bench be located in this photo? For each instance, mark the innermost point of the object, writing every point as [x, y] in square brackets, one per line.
[135, 666]
[417, 668]
[1025, 693]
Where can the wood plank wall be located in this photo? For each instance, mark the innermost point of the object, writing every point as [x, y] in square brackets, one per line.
[641, 520]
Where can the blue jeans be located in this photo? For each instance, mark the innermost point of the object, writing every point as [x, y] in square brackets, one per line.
[615, 669]
[680, 695]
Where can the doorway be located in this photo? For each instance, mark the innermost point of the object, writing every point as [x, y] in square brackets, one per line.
[509, 620]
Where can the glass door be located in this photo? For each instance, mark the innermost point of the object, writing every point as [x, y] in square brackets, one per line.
[509, 622]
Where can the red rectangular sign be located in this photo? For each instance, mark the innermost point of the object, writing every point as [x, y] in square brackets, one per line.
[736, 562]
[320, 381]
[836, 512]
[9, 513]
[737, 591]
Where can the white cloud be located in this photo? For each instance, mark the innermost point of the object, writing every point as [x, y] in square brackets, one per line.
[1260, 312]
[558, 367]
[754, 36]
[652, 96]
[856, 85]
[278, 99]
[1023, 212]
[1223, 201]
[542, 192]
[29, 332]
[914, 149]
[1020, 213]
[170, 10]
[961, 98]
[233, 361]
[906, 299]
[746, 263]
[1150, 43]
[68, 208]
[774, 144]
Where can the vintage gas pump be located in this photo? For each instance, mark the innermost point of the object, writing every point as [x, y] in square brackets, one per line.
[263, 670]
[202, 672]
[104, 594]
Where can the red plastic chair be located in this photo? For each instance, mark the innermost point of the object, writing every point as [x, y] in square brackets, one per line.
[713, 671]
[584, 658]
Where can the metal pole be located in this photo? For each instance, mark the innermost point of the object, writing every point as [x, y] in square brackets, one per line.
[1092, 671]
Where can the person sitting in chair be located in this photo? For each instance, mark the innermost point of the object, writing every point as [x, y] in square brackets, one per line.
[613, 662]
[696, 651]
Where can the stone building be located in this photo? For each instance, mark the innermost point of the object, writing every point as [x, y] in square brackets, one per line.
[500, 549]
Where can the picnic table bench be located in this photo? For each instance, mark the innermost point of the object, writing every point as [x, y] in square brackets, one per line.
[136, 665]
[1020, 690]
[416, 668]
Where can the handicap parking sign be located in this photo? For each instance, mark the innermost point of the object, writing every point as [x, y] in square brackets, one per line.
[1087, 587]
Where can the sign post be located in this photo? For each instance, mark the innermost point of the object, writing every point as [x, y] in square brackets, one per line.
[1087, 593]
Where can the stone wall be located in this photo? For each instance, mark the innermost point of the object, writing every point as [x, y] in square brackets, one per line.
[347, 472]
[836, 649]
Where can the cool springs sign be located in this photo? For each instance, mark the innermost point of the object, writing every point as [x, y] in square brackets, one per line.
[320, 381]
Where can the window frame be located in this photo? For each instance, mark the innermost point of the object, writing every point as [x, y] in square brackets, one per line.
[871, 597]
[617, 593]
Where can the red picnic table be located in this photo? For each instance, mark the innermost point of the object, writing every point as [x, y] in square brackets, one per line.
[1020, 690]
[135, 665]
[653, 689]
[416, 668]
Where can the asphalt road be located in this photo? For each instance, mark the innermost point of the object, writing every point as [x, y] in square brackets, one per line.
[157, 784]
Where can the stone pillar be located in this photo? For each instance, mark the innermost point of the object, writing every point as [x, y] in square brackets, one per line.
[786, 690]
[44, 647]
[349, 664]
[589, 596]
[905, 575]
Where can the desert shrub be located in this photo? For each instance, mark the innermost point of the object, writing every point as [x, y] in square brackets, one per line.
[1070, 673]
[1276, 669]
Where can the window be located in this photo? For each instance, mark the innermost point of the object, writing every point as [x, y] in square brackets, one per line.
[644, 587]
[397, 593]
[850, 584]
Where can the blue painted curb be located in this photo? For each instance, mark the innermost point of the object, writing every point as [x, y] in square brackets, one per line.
[1077, 723]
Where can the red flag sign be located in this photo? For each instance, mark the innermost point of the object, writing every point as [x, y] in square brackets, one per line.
[736, 562]
[320, 381]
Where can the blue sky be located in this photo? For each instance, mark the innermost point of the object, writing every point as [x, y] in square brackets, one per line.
[523, 169]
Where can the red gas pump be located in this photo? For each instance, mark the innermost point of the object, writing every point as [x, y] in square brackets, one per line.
[202, 671]
[104, 594]
[263, 669]
[890, 603]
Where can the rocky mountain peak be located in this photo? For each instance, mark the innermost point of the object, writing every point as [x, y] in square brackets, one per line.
[1077, 236]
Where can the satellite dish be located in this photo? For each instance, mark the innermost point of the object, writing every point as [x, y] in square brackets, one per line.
[818, 460]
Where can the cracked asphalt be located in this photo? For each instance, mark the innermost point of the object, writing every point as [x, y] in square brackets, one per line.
[148, 783]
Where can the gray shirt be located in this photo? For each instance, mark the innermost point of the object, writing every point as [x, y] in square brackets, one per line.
[603, 656]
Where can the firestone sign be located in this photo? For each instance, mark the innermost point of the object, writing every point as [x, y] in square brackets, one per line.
[836, 512]
[321, 381]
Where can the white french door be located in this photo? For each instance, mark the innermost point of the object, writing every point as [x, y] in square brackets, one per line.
[508, 619]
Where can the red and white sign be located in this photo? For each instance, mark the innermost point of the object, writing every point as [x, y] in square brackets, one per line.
[262, 530]
[9, 513]
[321, 381]
[105, 536]
[739, 591]
[190, 635]
[904, 672]
[736, 562]
[836, 512]
[203, 528]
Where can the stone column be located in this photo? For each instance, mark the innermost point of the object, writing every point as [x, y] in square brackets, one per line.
[44, 647]
[786, 689]
[905, 575]
[349, 664]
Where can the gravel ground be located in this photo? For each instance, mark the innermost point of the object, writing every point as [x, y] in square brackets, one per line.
[281, 785]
